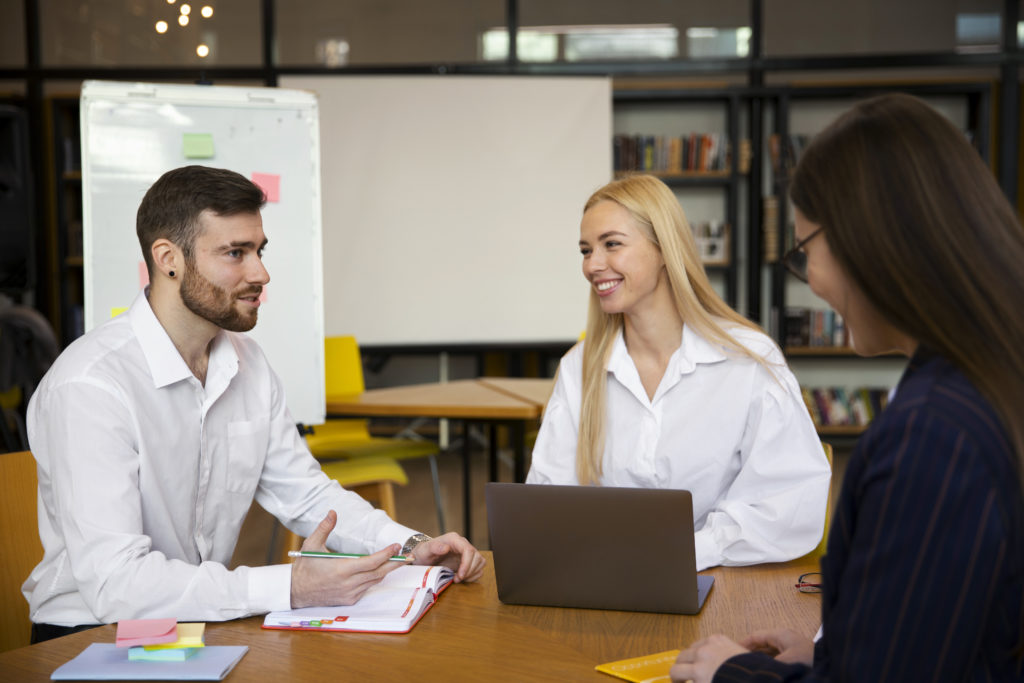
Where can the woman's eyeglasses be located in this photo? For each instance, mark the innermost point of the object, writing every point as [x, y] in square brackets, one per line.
[795, 259]
[809, 583]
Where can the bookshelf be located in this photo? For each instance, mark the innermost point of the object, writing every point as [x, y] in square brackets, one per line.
[794, 114]
[710, 198]
[822, 103]
[65, 180]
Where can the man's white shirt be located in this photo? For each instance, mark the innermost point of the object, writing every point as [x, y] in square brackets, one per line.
[145, 478]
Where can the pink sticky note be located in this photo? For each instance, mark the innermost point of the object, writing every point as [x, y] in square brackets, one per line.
[270, 183]
[143, 275]
[133, 632]
[263, 295]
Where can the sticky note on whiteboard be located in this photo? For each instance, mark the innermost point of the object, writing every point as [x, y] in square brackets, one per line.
[270, 183]
[197, 145]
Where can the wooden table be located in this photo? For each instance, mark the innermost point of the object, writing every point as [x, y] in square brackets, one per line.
[470, 636]
[487, 400]
[533, 390]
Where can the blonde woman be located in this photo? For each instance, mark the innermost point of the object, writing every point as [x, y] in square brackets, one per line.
[673, 389]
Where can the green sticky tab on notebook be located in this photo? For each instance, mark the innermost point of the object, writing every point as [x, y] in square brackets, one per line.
[198, 145]
[141, 654]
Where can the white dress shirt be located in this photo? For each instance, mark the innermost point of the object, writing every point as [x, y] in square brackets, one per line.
[145, 477]
[732, 432]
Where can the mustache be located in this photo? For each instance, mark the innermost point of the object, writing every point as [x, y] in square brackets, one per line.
[255, 290]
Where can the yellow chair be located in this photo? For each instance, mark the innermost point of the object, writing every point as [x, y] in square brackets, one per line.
[21, 549]
[350, 439]
[13, 435]
[819, 550]
[372, 477]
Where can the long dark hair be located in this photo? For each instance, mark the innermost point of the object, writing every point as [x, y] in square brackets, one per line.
[916, 219]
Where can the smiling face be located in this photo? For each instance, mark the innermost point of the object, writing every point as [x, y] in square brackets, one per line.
[624, 267]
[224, 276]
[870, 333]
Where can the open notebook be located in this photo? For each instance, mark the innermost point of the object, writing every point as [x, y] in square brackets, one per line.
[392, 606]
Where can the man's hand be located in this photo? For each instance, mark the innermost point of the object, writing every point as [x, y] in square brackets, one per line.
[322, 582]
[454, 552]
[700, 661]
[785, 645]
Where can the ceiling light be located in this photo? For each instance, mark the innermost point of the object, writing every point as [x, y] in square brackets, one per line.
[161, 26]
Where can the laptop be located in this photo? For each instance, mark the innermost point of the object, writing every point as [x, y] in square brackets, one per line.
[594, 546]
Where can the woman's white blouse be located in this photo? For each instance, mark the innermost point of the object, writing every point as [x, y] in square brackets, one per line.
[729, 430]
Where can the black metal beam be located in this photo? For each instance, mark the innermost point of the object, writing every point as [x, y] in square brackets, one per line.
[1009, 104]
[269, 44]
[512, 25]
[36, 143]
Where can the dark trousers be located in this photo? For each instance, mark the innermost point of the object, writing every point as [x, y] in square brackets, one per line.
[44, 632]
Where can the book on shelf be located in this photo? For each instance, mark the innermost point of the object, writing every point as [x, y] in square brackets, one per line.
[674, 155]
[712, 239]
[839, 406]
[394, 605]
[785, 153]
[770, 228]
[814, 328]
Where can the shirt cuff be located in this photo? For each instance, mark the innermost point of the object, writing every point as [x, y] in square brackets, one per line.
[393, 532]
[270, 588]
[706, 551]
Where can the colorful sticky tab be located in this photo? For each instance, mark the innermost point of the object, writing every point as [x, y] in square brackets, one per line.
[117, 310]
[197, 145]
[270, 183]
[132, 632]
[143, 275]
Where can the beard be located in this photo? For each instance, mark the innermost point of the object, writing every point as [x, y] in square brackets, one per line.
[215, 304]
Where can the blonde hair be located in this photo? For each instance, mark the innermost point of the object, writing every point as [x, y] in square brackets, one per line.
[660, 218]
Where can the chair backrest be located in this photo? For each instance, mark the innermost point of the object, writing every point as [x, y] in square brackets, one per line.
[343, 366]
[19, 545]
[820, 549]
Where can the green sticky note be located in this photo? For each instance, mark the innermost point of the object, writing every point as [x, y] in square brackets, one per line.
[141, 654]
[198, 145]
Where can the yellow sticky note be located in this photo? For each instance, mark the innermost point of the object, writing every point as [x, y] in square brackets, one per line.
[197, 145]
[118, 310]
[189, 635]
[646, 669]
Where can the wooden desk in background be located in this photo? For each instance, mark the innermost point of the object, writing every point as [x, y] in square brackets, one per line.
[470, 636]
[498, 400]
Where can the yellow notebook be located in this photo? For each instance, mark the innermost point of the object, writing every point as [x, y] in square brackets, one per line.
[647, 669]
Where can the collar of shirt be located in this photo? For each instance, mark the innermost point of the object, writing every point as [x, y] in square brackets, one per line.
[166, 366]
[693, 350]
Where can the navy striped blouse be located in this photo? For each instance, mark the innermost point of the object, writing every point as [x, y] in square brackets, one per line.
[924, 575]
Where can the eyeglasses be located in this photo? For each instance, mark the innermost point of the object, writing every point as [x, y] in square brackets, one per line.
[795, 259]
[809, 583]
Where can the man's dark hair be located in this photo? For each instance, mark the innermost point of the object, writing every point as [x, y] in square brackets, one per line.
[172, 205]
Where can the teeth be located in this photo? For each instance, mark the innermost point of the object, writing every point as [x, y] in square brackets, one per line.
[604, 286]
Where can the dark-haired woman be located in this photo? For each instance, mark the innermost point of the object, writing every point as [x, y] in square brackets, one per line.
[901, 227]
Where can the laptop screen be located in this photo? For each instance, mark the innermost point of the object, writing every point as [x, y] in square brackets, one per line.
[592, 546]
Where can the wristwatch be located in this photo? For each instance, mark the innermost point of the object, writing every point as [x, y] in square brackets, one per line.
[413, 541]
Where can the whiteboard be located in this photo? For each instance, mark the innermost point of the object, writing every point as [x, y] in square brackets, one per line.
[452, 204]
[133, 133]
